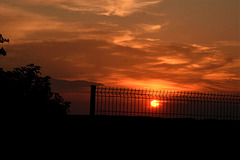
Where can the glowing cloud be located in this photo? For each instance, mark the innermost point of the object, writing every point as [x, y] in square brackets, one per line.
[150, 28]
[170, 60]
[101, 7]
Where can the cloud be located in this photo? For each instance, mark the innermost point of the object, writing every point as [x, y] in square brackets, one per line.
[120, 8]
[221, 76]
[149, 28]
[23, 26]
[19, 23]
[65, 86]
[202, 48]
[169, 60]
[26, 26]
[125, 7]
[108, 24]
[227, 43]
[152, 84]
[171, 66]
[123, 37]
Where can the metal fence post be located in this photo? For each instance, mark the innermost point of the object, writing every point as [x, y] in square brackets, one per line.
[92, 100]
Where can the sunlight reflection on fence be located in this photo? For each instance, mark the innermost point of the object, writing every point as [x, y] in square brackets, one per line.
[171, 104]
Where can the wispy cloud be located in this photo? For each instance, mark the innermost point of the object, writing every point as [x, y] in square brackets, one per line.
[202, 48]
[221, 76]
[150, 28]
[227, 43]
[170, 60]
[169, 67]
[120, 8]
[18, 23]
[113, 51]
[23, 26]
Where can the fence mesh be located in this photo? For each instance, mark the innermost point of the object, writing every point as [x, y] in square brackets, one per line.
[166, 104]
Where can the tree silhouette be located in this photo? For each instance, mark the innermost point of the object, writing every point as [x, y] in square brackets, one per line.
[2, 40]
[24, 92]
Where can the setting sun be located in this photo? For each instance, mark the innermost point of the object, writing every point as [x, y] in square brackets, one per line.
[155, 103]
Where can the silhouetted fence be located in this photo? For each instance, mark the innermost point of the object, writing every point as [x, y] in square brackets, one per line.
[164, 104]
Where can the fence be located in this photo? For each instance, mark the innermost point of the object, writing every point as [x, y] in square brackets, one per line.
[163, 104]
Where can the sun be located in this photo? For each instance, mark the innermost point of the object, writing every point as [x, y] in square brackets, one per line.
[155, 103]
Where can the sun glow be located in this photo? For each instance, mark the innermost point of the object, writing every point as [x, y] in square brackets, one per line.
[155, 103]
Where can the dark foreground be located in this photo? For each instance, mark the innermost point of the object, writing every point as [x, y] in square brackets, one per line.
[148, 125]
[117, 126]
[107, 119]
[144, 121]
[87, 119]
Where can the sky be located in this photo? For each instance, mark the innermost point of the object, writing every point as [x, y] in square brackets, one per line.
[189, 45]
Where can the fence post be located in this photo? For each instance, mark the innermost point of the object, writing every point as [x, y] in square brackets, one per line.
[92, 100]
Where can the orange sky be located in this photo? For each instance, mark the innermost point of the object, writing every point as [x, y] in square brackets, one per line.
[157, 44]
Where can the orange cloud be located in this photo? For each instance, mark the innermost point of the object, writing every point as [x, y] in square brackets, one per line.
[113, 51]
[202, 48]
[19, 23]
[154, 84]
[227, 43]
[170, 60]
[172, 67]
[120, 8]
[150, 28]
[221, 76]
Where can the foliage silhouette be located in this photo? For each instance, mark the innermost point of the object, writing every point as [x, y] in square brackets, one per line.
[2, 50]
[25, 93]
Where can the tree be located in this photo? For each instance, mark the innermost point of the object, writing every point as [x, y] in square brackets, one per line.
[2, 50]
[25, 92]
